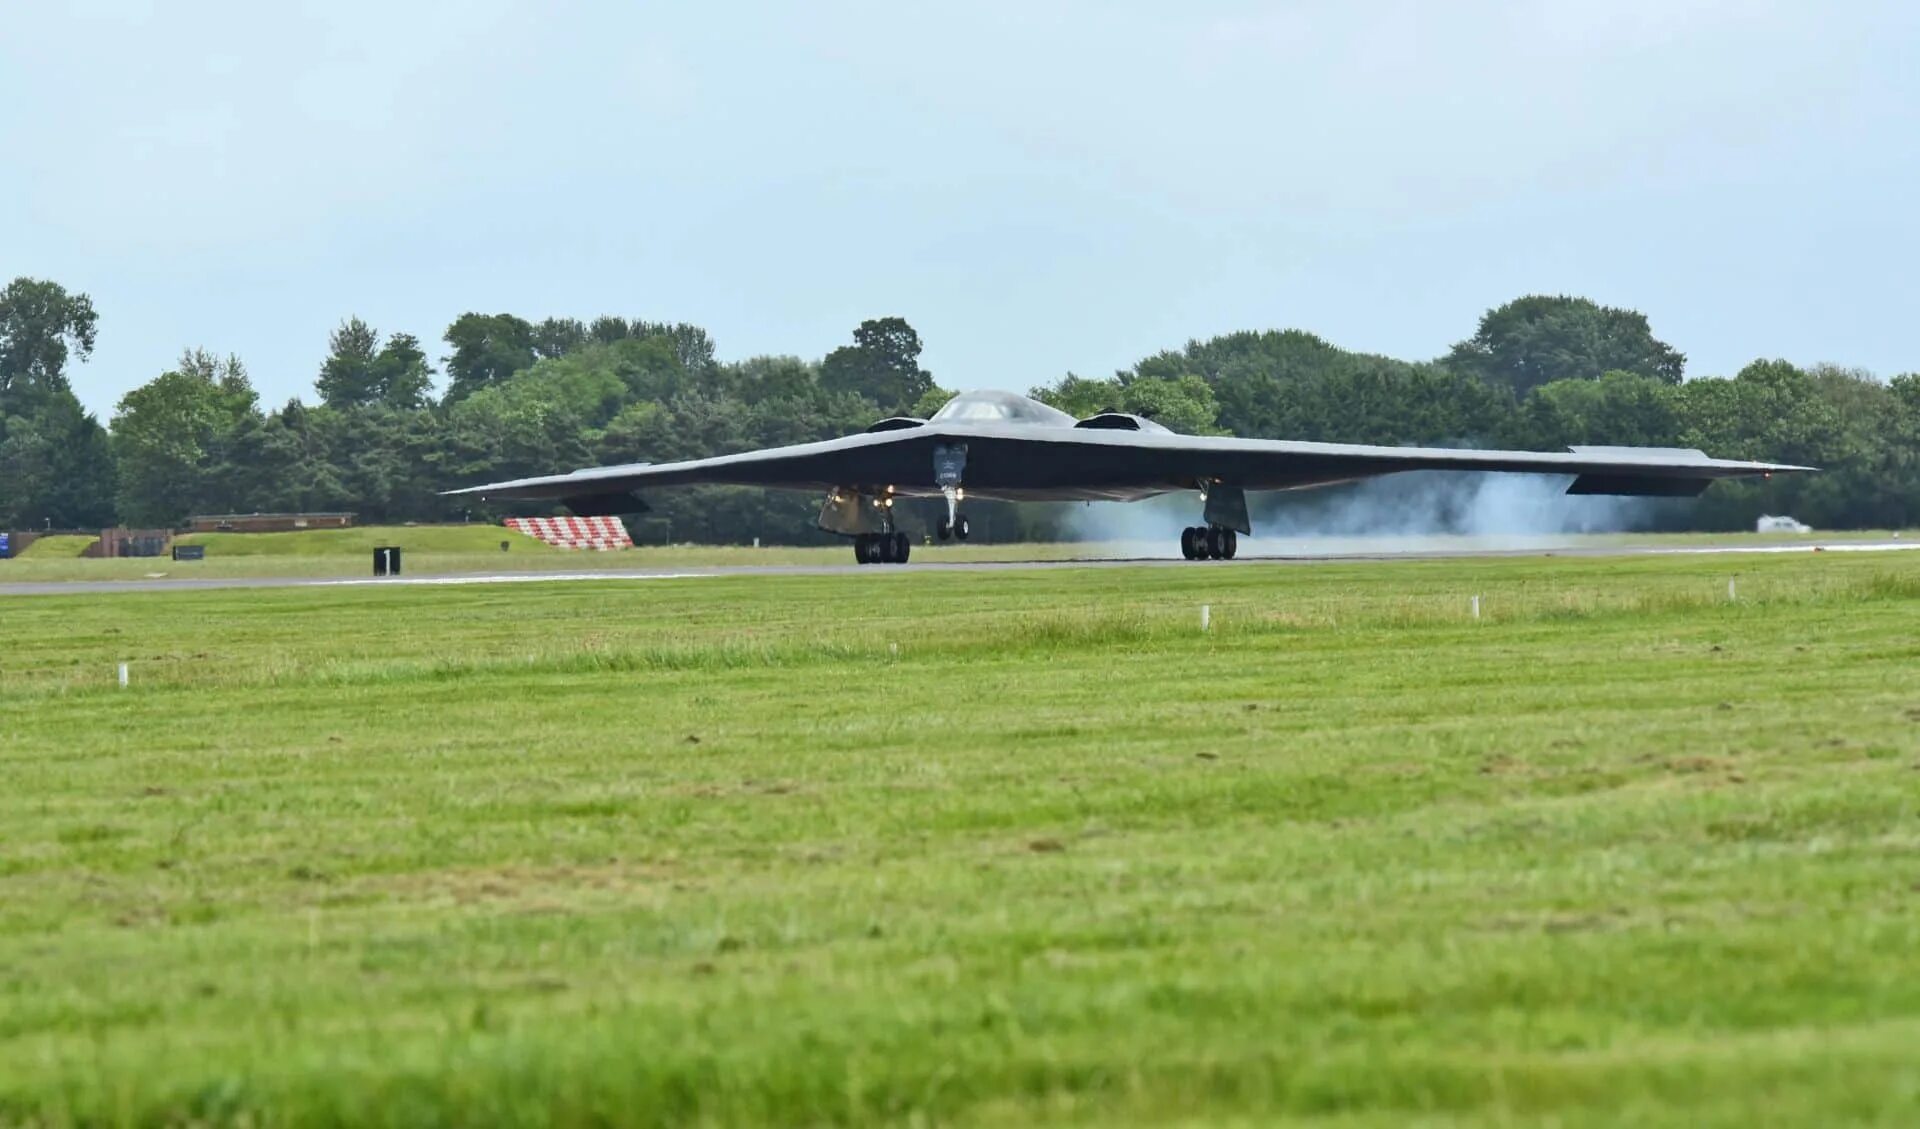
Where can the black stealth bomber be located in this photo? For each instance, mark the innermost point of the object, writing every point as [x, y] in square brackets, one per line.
[1002, 446]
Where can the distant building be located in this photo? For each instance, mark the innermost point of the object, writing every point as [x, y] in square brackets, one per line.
[265, 523]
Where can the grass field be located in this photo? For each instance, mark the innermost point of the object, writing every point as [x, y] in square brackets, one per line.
[358, 543]
[443, 549]
[60, 546]
[973, 848]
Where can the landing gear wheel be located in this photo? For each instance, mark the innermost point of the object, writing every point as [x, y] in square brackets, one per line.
[902, 549]
[862, 549]
[944, 530]
[1230, 544]
[1216, 543]
[1187, 547]
[961, 529]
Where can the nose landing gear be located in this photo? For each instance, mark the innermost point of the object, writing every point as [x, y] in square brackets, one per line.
[949, 464]
[1208, 543]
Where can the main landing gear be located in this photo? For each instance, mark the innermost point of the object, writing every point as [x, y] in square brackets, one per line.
[1208, 543]
[882, 548]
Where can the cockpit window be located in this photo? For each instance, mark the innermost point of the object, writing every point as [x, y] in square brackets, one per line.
[1000, 407]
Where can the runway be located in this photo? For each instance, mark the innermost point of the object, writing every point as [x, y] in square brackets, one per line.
[192, 584]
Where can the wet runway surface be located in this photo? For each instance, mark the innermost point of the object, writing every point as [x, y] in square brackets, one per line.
[188, 584]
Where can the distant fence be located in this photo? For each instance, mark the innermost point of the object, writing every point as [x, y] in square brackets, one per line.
[266, 523]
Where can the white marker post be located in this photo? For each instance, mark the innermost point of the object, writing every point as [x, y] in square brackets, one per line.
[1730, 594]
[1476, 607]
[123, 676]
[1206, 617]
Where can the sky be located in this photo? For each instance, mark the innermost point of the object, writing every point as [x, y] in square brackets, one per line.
[1038, 187]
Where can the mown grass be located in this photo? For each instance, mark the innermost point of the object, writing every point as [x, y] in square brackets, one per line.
[994, 848]
[442, 550]
[58, 546]
[360, 541]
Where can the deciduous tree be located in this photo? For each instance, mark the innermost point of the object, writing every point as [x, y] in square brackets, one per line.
[170, 437]
[882, 365]
[1533, 340]
[41, 325]
[361, 370]
[487, 349]
[56, 468]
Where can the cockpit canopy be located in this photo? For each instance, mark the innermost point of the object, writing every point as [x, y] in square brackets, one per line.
[1000, 407]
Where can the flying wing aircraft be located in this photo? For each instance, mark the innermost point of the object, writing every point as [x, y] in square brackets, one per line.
[1002, 446]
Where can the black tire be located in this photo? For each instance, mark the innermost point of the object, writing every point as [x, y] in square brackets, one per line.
[902, 548]
[862, 549]
[1232, 546]
[1187, 547]
[944, 530]
[1216, 544]
[961, 529]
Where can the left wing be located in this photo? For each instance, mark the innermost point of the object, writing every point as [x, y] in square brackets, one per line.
[878, 459]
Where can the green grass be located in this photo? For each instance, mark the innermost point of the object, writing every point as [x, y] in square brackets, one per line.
[57, 546]
[359, 542]
[972, 848]
[440, 550]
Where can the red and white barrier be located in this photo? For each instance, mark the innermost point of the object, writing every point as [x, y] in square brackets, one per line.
[575, 532]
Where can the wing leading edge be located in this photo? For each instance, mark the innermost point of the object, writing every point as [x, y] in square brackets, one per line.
[1030, 463]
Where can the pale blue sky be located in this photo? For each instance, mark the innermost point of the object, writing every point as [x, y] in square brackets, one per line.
[1037, 187]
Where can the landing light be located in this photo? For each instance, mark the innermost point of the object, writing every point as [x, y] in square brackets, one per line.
[959, 494]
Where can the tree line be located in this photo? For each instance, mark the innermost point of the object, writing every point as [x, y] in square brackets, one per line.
[522, 397]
